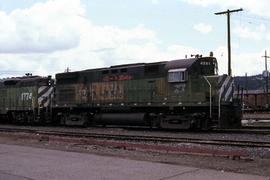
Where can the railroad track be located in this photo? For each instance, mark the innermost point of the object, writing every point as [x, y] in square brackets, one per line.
[136, 138]
[244, 130]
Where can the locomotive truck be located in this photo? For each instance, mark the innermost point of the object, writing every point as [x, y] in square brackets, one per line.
[177, 94]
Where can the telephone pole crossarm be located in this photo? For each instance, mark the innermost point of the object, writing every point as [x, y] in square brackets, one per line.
[229, 11]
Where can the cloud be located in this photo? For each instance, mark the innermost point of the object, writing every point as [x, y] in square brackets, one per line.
[203, 28]
[235, 45]
[247, 33]
[155, 1]
[251, 63]
[260, 7]
[47, 38]
[259, 33]
[45, 27]
[261, 28]
[268, 36]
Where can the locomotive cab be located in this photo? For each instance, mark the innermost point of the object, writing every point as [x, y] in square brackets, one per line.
[178, 70]
[197, 94]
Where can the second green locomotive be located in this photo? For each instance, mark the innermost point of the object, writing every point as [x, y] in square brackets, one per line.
[26, 99]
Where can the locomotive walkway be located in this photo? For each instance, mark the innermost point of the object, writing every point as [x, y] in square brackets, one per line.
[24, 163]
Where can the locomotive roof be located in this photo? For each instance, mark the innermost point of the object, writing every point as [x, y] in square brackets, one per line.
[126, 66]
[173, 64]
[178, 63]
[23, 79]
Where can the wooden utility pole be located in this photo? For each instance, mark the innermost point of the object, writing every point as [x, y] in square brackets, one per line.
[266, 78]
[228, 12]
[246, 78]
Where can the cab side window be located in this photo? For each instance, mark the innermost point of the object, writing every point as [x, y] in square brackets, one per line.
[177, 75]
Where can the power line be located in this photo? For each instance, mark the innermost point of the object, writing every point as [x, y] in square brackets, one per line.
[256, 18]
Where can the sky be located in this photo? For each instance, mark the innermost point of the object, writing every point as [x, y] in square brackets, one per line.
[45, 37]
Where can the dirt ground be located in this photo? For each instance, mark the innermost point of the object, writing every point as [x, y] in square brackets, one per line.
[222, 163]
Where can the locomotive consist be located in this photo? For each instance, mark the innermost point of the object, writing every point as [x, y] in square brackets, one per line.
[178, 94]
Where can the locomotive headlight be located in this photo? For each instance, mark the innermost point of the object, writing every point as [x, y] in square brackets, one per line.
[179, 103]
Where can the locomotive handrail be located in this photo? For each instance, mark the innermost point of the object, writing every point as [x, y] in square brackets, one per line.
[210, 88]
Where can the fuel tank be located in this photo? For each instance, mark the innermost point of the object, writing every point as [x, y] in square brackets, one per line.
[131, 119]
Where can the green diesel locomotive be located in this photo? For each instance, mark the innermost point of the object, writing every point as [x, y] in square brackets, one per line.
[26, 99]
[178, 94]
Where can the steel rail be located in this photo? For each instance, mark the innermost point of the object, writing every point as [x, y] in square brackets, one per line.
[259, 131]
[260, 144]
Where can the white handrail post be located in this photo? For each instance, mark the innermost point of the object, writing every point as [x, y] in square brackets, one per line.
[210, 88]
